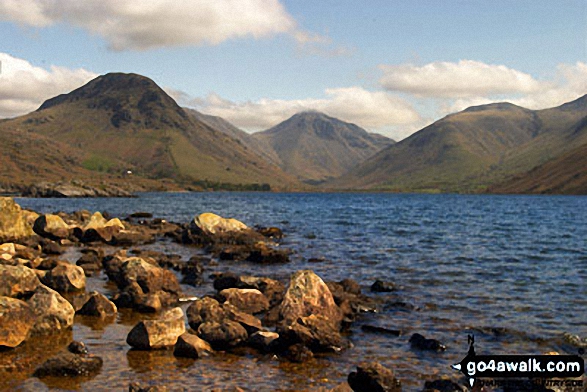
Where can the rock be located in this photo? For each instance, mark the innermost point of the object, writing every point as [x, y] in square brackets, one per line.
[250, 301]
[373, 377]
[53, 313]
[191, 346]
[267, 254]
[52, 227]
[132, 296]
[66, 278]
[250, 323]
[192, 272]
[13, 222]
[381, 330]
[270, 232]
[51, 247]
[17, 281]
[223, 335]
[382, 287]
[68, 364]
[90, 263]
[315, 332]
[342, 387]
[151, 278]
[98, 305]
[263, 340]
[16, 321]
[298, 353]
[100, 229]
[204, 310]
[210, 223]
[141, 214]
[136, 387]
[307, 295]
[444, 386]
[160, 333]
[77, 348]
[419, 342]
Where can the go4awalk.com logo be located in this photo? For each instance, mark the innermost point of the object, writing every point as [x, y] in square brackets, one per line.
[542, 367]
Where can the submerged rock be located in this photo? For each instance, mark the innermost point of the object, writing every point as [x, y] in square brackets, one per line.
[373, 377]
[191, 346]
[381, 286]
[160, 333]
[419, 342]
[16, 321]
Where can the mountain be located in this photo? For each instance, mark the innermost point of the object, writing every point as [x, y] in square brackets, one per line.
[315, 147]
[472, 150]
[118, 122]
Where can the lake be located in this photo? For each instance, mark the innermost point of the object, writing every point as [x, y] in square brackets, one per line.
[512, 270]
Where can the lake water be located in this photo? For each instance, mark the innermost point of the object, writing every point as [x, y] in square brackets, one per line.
[510, 269]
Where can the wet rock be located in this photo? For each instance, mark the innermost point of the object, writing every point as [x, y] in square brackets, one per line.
[419, 342]
[204, 310]
[307, 295]
[250, 301]
[132, 237]
[380, 330]
[210, 223]
[159, 333]
[66, 278]
[191, 346]
[52, 227]
[16, 321]
[17, 281]
[373, 377]
[444, 386]
[90, 262]
[51, 247]
[250, 323]
[575, 340]
[382, 286]
[13, 222]
[68, 364]
[267, 254]
[224, 335]
[53, 313]
[264, 341]
[316, 332]
[97, 305]
[270, 232]
[298, 353]
[77, 348]
[151, 278]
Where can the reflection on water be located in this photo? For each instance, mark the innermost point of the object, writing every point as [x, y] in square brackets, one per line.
[509, 269]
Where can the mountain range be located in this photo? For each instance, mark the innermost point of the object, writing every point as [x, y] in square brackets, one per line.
[124, 123]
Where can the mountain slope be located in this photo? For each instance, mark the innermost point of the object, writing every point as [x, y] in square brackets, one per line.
[471, 150]
[125, 121]
[315, 147]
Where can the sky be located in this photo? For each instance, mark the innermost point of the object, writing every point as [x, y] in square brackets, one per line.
[391, 66]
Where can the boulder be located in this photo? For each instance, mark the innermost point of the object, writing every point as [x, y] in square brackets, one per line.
[68, 364]
[263, 340]
[246, 300]
[66, 278]
[16, 321]
[210, 223]
[419, 342]
[17, 281]
[150, 277]
[315, 332]
[191, 346]
[307, 295]
[53, 313]
[52, 227]
[203, 310]
[222, 335]
[100, 229]
[373, 377]
[272, 289]
[98, 305]
[250, 323]
[132, 296]
[13, 222]
[380, 286]
[160, 333]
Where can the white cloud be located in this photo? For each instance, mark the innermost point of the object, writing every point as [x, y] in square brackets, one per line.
[23, 87]
[467, 78]
[377, 110]
[142, 25]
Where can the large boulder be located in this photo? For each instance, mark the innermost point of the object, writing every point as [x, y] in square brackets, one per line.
[17, 281]
[52, 227]
[210, 223]
[16, 321]
[223, 335]
[13, 222]
[373, 377]
[246, 300]
[66, 278]
[160, 333]
[191, 346]
[53, 313]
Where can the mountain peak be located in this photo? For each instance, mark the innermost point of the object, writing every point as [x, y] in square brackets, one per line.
[500, 106]
[129, 99]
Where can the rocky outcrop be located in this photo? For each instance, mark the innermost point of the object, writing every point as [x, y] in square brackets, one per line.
[13, 222]
[191, 346]
[17, 281]
[373, 377]
[160, 333]
[16, 321]
[53, 313]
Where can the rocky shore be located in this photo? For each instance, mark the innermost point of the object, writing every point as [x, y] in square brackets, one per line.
[41, 296]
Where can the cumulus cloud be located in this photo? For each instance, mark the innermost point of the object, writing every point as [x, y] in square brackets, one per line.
[467, 78]
[377, 110]
[142, 25]
[23, 87]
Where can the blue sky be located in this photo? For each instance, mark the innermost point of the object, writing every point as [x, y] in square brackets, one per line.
[388, 66]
